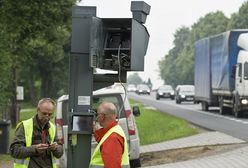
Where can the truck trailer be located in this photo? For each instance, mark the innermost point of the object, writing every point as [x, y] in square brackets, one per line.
[221, 72]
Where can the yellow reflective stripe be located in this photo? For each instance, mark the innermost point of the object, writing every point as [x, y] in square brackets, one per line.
[19, 166]
[53, 161]
[28, 129]
[18, 125]
[51, 131]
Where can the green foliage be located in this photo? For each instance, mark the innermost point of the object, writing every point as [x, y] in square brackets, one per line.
[177, 67]
[35, 42]
[5, 73]
[170, 70]
[134, 79]
[239, 20]
[149, 82]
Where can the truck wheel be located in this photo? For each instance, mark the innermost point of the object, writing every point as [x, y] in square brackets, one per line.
[179, 101]
[238, 114]
[204, 106]
[222, 108]
[236, 111]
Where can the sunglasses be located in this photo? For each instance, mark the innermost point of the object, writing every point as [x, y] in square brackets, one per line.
[97, 114]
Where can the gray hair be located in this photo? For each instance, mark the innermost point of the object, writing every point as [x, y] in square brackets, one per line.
[44, 100]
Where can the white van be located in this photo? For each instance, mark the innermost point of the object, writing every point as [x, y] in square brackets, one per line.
[126, 121]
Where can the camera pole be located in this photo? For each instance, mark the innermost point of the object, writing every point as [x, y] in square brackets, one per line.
[80, 86]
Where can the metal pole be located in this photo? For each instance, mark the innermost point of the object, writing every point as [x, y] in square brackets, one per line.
[80, 85]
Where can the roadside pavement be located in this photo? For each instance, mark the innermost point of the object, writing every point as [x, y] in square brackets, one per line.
[237, 158]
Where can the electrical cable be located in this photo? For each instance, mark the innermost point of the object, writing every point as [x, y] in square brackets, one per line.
[119, 78]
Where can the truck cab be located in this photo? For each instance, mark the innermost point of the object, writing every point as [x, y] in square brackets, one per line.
[241, 80]
[240, 95]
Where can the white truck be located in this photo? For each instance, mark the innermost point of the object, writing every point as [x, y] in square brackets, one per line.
[221, 72]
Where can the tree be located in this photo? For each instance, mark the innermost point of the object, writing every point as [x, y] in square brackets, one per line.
[5, 81]
[177, 67]
[167, 65]
[239, 20]
[35, 34]
[149, 83]
[134, 79]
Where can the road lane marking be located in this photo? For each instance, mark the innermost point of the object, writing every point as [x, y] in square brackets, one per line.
[199, 111]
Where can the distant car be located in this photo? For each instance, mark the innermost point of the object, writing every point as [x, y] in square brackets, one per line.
[143, 89]
[185, 93]
[126, 121]
[165, 91]
[131, 88]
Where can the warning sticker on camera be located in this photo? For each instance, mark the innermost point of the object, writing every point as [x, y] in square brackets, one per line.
[83, 100]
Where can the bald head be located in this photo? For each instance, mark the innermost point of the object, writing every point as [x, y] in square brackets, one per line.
[107, 108]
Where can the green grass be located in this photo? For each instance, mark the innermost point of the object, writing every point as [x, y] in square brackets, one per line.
[27, 113]
[155, 126]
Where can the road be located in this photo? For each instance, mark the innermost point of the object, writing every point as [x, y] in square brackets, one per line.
[192, 112]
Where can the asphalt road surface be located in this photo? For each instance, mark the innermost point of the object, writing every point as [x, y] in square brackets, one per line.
[236, 127]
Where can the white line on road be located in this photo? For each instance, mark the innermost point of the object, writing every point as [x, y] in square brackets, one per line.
[206, 113]
[211, 114]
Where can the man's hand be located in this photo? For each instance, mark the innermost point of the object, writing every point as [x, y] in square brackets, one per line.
[53, 146]
[94, 126]
[40, 148]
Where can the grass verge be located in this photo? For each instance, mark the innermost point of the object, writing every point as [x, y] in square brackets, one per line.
[155, 126]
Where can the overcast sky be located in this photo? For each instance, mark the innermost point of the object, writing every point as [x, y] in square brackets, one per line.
[166, 16]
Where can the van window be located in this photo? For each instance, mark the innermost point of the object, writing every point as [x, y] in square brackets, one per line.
[116, 99]
[246, 71]
[240, 70]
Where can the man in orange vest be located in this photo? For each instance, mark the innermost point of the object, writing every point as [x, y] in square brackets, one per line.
[112, 148]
